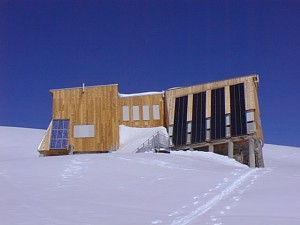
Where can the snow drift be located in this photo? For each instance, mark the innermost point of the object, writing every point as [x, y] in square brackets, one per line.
[180, 188]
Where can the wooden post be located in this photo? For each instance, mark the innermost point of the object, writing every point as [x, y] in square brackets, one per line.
[251, 153]
[230, 149]
[211, 148]
[260, 155]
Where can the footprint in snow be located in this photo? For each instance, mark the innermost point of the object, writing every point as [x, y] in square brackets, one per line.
[236, 198]
[173, 214]
[217, 187]
[213, 218]
[156, 222]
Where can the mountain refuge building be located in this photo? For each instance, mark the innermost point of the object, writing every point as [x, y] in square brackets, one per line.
[221, 117]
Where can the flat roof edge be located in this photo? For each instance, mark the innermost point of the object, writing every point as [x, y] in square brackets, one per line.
[93, 86]
[141, 94]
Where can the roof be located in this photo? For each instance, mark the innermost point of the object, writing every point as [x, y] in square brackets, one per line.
[242, 77]
[95, 86]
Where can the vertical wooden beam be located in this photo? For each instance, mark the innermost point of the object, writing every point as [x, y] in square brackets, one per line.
[208, 103]
[251, 153]
[190, 108]
[211, 148]
[227, 99]
[260, 157]
[230, 149]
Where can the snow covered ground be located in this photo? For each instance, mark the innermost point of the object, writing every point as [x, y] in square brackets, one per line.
[179, 188]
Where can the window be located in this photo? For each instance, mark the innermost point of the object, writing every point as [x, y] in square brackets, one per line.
[251, 127]
[84, 131]
[170, 130]
[125, 113]
[145, 112]
[59, 134]
[250, 116]
[156, 112]
[136, 112]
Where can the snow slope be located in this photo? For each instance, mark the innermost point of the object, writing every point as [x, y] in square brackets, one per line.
[179, 188]
[18, 143]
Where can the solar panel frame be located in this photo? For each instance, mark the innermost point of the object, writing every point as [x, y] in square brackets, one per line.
[180, 121]
[59, 134]
[199, 118]
[238, 110]
[218, 120]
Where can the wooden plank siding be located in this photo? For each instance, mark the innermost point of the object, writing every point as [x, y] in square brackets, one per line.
[104, 108]
[44, 145]
[251, 104]
[98, 106]
[140, 101]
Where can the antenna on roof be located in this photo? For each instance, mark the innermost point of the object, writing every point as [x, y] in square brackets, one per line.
[83, 88]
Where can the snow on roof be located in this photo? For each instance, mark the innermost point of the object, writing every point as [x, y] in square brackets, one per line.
[140, 94]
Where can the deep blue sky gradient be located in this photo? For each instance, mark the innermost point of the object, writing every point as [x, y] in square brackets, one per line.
[149, 46]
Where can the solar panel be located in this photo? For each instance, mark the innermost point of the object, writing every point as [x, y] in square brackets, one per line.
[199, 118]
[59, 134]
[180, 121]
[218, 122]
[238, 110]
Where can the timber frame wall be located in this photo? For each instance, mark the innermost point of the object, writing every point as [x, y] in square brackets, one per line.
[218, 104]
[200, 117]
[87, 119]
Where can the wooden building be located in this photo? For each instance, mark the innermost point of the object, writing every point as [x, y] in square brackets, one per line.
[87, 119]
[221, 117]
[142, 110]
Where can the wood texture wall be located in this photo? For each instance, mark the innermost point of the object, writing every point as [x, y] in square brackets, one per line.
[143, 100]
[251, 87]
[95, 106]
[102, 106]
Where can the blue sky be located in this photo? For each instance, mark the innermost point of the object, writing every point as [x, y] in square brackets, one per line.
[149, 46]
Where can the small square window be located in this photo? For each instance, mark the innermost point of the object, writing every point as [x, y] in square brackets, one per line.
[125, 113]
[156, 114]
[136, 113]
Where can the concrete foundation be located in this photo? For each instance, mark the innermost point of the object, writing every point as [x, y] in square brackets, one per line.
[230, 149]
[211, 148]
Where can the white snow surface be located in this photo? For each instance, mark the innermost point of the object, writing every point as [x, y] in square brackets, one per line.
[131, 137]
[141, 94]
[177, 189]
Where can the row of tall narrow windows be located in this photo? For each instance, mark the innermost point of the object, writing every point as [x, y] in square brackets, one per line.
[219, 125]
[145, 113]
